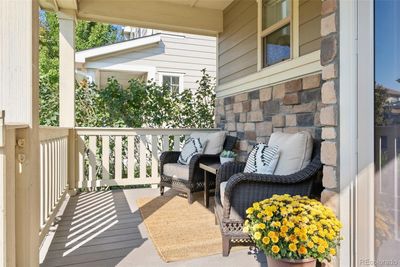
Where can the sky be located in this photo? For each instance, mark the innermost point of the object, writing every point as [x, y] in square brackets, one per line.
[387, 43]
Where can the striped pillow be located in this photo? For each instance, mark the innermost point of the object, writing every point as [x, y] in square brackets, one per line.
[262, 159]
[191, 147]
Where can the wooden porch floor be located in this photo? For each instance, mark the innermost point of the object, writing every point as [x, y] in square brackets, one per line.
[106, 229]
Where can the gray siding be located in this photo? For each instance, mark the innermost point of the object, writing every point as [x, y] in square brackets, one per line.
[310, 26]
[183, 54]
[237, 44]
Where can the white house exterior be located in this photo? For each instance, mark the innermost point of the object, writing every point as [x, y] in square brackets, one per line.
[165, 57]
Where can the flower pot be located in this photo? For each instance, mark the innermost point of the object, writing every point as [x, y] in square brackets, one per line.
[223, 160]
[291, 263]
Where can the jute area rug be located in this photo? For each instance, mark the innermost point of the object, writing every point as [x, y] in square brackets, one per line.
[180, 231]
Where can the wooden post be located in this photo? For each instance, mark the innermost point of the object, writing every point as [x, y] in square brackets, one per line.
[67, 69]
[19, 97]
[67, 89]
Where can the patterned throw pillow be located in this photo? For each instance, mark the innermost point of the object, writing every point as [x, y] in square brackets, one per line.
[191, 147]
[262, 159]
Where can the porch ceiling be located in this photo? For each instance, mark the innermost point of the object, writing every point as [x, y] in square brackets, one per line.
[190, 16]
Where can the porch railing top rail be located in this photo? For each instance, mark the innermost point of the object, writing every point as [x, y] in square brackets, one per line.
[140, 131]
[49, 133]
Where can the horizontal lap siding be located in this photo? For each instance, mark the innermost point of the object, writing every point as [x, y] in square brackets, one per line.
[237, 44]
[183, 54]
[310, 26]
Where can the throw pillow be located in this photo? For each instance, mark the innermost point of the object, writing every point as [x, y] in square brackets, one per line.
[191, 147]
[215, 141]
[262, 159]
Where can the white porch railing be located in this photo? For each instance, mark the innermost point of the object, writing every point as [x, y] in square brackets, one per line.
[124, 156]
[53, 174]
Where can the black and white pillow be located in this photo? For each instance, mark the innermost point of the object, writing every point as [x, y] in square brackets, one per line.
[262, 159]
[191, 147]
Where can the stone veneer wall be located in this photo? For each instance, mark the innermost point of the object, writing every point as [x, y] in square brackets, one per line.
[330, 113]
[288, 107]
[310, 103]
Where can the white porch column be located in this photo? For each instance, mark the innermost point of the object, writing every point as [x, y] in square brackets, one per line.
[67, 69]
[19, 97]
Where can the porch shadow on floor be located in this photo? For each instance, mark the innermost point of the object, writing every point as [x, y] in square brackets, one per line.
[106, 229]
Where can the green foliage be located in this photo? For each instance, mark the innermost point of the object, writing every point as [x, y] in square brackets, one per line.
[228, 154]
[88, 35]
[381, 106]
[145, 104]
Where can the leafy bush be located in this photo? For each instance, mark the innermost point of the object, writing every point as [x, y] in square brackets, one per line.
[145, 104]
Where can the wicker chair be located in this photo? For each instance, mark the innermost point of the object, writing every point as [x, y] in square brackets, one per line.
[243, 189]
[195, 183]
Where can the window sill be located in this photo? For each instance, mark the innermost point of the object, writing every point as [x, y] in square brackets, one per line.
[278, 73]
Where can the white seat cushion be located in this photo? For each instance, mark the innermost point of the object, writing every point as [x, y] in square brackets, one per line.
[177, 170]
[214, 141]
[222, 187]
[295, 151]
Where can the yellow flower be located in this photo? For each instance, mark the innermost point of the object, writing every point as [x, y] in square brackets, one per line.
[310, 244]
[269, 213]
[275, 249]
[245, 229]
[261, 226]
[321, 249]
[250, 210]
[271, 234]
[303, 237]
[332, 251]
[257, 235]
[266, 240]
[275, 239]
[256, 206]
[292, 247]
[302, 250]
[284, 229]
[315, 239]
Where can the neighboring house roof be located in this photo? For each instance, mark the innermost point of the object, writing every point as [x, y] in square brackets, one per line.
[82, 56]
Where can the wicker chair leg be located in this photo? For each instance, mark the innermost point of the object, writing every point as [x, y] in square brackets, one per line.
[190, 198]
[161, 190]
[226, 245]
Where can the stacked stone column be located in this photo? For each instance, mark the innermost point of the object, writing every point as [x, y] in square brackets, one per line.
[329, 116]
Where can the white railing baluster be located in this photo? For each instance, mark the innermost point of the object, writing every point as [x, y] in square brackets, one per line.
[81, 160]
[131, 157]
[118, 157]
[177, 143]
[142, 159]
[165, 143]
[92, 161]
[105, 157]
[154, 156]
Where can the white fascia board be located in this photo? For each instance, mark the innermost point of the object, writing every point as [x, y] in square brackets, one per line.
[82, 56]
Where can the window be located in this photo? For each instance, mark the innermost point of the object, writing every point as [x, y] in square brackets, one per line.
[288, 29]
[173, 81]
[276, 31]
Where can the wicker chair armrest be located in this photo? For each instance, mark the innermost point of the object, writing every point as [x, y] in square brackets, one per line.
[228, 169]
[255, 184]
[168, 157]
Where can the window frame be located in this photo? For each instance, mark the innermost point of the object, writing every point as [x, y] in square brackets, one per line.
[171, 74]
[292, 20]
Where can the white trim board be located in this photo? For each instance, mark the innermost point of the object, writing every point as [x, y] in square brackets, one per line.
[82, 56]
[278, 73]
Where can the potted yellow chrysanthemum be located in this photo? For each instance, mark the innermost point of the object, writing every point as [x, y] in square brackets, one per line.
[293, 230]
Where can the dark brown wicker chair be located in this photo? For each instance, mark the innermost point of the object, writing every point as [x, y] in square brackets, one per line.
[243, 189]
[195, 183]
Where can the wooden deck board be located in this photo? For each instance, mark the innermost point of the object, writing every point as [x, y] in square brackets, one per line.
[106, 229]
